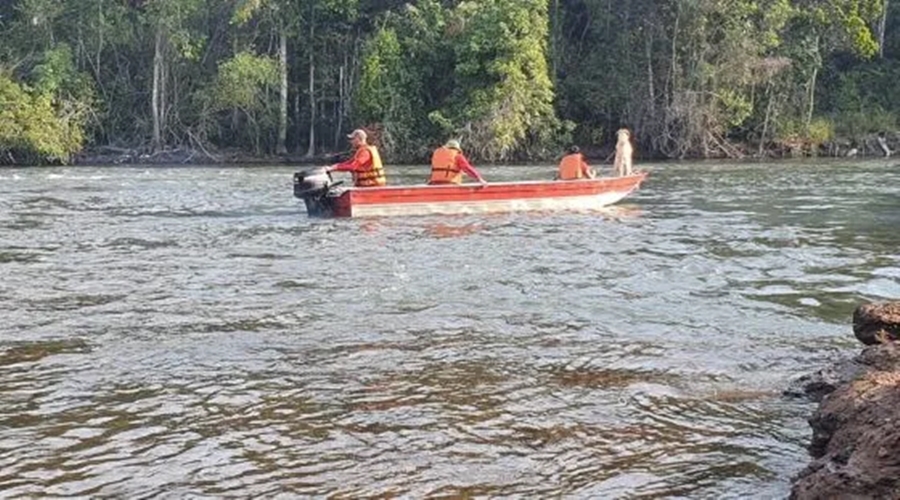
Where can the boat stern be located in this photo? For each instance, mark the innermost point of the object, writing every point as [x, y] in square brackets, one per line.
[317, 190]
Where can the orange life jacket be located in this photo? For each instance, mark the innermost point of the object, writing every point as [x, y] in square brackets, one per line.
[570, 167]
[373, 175]
[443, 167]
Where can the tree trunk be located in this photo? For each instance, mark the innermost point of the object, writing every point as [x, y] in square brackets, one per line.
[283, 92]
[351, 74]
[155, 96]
[340, 114]
[671, 84]
[765, 130]
[811, 98]
[651, 91]
[881, 28]
[554, 41]
[311, 150]
[298, 119]
[163, 96]
[99, 63]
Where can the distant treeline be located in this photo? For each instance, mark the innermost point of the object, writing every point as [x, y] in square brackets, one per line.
[513, 79]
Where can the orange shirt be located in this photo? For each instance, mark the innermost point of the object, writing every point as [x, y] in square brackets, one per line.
[573, 167]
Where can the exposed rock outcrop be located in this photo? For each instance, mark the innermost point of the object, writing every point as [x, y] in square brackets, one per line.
[856, 429]
[877, 323]
[816, 386]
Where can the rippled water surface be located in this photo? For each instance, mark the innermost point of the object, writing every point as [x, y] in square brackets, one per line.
[172, 332]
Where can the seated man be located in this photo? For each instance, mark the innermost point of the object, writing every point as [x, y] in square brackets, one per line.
[573, 166]
[365, 165]
[448, 165]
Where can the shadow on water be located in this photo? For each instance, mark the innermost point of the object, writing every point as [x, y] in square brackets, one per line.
[21, 352]
[442, 230]
[11, 255]
[606, 378]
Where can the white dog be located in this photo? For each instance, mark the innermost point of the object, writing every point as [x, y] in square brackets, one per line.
[622, 163]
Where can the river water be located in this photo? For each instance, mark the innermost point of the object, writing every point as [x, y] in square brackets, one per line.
[176, 332]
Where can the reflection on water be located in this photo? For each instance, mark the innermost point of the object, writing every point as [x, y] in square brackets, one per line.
[187, 332]
[444, 230]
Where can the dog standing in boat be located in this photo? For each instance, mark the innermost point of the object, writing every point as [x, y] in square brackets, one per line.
[624, 151]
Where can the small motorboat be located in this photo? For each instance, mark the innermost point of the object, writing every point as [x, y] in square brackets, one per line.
[325, 198]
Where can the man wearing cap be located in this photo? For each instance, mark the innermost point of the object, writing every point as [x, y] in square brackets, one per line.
[448, 164]
[573, 167]
[365, 165]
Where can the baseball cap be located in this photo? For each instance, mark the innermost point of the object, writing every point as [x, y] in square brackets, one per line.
[358, 133]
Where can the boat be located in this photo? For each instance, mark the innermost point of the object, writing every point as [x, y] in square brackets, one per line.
[325, 198]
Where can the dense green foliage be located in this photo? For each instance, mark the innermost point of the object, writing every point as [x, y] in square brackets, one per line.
[477, 71]
[510, 78]
[45, 121]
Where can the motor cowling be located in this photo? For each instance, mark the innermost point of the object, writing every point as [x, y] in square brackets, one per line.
[312, 186]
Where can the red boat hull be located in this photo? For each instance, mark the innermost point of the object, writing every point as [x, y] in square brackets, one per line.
[586, 194]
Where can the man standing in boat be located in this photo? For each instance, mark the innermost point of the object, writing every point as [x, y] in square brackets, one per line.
[448, 164]
[573, 167]
[365, 165]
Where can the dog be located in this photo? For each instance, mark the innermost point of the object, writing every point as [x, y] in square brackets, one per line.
[624, 151]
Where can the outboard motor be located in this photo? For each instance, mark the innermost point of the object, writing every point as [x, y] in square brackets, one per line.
[312, 186]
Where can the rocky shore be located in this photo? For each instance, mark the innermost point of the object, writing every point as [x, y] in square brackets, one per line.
[856, 429]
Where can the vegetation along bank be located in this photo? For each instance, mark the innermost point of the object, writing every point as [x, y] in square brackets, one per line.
[211, 80]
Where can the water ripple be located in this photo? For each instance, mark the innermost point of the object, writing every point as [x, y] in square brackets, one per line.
[187, 332]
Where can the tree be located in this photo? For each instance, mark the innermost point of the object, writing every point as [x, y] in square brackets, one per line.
[497, 95]
[243, 86]
[503, 101]
[172, 39]
[689, 77]
[33, 129]
[277, 14]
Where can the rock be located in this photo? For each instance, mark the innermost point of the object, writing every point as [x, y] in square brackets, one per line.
[856, 433]
[825, 381]
[886, 359]
[877, 323]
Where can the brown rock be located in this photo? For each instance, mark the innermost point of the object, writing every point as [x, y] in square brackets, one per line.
[815, 386]
[883, 359]
[877, 323]
[856, 434]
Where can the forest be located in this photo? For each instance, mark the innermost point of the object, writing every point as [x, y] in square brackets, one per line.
[512, 79]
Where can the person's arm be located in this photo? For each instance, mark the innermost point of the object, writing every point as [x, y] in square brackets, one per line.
[586, 170]
[468, 169]
[354, 164]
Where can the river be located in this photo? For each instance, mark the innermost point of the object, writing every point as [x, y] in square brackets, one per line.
[187, 331]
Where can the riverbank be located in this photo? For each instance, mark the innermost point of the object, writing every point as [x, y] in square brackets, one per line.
[870, 146]
[106, 155]
[856, 429]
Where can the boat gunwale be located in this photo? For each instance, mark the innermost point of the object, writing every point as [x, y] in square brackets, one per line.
[479, 186]
[346, 200]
